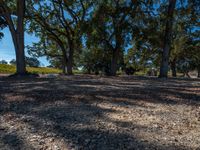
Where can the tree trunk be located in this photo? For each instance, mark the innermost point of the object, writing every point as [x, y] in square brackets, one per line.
[69, 68]
[113, 69]
[173, 68]
[64, 65]
[167, 40]
[70, 59]
[17, 34]
[187, 74]
[89, 70]
[64, 70]
[198, 76]
[20, 56]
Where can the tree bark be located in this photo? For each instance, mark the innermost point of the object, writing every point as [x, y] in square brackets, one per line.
[64, 65]
[20, 55]
[70, 58]
[198, 76]
[173, 68]
[167, 40]
[89, 71]
[69, 67]
[17, 34]
[187, 74]
[115, 55]
[116, 51]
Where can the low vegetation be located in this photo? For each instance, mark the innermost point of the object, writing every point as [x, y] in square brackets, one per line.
[10, 69]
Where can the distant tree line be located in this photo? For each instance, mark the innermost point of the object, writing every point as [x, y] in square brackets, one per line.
[30, 62]
[107, 35]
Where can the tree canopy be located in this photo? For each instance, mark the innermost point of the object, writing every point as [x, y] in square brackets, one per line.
[107, 35]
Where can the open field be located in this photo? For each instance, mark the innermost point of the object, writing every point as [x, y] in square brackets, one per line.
[88, 112]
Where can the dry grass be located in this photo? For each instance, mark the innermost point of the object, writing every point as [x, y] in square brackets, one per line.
[8, 69]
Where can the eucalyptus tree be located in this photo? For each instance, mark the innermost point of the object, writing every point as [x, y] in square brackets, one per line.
[60, 21]
[14, 12]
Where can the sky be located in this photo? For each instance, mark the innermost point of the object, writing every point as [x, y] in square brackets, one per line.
[7, 51]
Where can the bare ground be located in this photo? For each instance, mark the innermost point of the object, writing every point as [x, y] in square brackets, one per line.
[88, 112]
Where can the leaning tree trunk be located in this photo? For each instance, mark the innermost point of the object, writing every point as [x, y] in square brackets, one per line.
[167, 40]
[17, 33]
[173, 68]
[187, 74]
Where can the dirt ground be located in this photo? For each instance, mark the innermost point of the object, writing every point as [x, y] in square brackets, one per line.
[99, 113]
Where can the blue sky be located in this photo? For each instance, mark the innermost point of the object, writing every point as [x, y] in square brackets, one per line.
[7, 51]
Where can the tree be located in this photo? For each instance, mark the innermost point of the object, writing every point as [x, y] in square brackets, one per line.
[3, 62]
[110, 28]
[94, 60]
[59, 21]
[16, 29]
[189, 58]
[185, 36]
[13, 62]
[167, 40]
[49, 49]
[32, 62]
[150, 41]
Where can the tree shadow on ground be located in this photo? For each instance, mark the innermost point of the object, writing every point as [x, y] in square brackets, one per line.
[70, 110]
[12, 141]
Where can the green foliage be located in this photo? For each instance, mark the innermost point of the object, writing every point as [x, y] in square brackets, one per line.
[32, 62]
[112, 27]
[94, 35]
[58, 24]
[3, 62]
[13, 62]
[2, 25]
[94, 60]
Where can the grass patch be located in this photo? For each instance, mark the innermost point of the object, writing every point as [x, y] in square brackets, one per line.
[43, 70]
[10, 69]
[7, 69]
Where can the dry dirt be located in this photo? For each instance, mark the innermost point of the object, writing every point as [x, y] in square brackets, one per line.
[99, 113]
